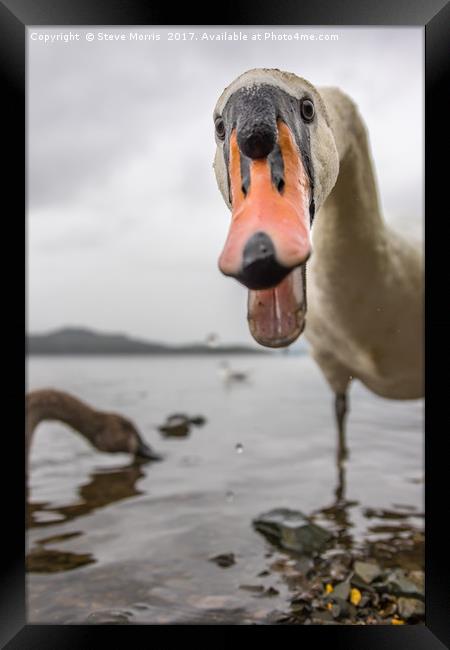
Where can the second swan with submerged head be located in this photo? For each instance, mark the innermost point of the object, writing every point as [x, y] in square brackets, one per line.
[108, 432]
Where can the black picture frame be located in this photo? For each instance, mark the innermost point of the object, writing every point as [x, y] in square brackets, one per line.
[434, 16]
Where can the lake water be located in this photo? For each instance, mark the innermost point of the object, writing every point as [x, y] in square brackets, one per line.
[132, 543]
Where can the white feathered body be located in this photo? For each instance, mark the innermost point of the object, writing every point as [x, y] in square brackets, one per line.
[365, 282]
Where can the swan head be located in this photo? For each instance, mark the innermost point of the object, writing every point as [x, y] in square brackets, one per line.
[118, 434]
[276, 162]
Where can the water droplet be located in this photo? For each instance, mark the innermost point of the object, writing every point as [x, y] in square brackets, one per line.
[239, 448]
[229, 496]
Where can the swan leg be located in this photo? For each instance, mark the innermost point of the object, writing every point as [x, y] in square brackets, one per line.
[340, 406]
[340, 409]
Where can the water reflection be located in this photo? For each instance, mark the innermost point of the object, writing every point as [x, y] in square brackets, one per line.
[105, 487]
[337, 515]
[43, 560]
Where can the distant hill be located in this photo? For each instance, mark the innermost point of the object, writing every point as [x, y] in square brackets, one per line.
[75, 340]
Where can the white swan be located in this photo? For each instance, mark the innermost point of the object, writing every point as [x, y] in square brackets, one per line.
[290, 156]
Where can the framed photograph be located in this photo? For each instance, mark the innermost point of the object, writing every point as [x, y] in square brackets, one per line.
[223, 239]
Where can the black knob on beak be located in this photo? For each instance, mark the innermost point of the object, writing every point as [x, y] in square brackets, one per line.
[257, 142]
[260, 268]
[256, 124]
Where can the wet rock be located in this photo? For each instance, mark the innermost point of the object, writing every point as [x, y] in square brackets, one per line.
[294, 581]
[418, 578]
[410, 608]
[257, 589]
[365, 600]
[341, 591]
[338, 572]
[179, 425]
[271, 591]
[304, 565]
[399, 584]
[109, 617]
[359, 583]
[301, 610]
[224, 560]
[140, 606]
[303, 597]
[198, 420]
[291, 529]
[367, 571]
[389, 610]
[323, 618]
[336, 610]
[347, 609]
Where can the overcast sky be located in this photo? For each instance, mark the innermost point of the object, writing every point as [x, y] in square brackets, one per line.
[125, 221]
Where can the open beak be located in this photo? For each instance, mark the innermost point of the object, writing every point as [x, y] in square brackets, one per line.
[269, 239]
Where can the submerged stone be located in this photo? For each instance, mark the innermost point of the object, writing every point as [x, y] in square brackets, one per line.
[291, 530]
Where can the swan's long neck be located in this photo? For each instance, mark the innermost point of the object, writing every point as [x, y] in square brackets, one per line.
[57, 405]
[349, 231]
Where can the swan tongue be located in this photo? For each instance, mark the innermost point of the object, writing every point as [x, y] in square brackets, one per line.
[277, 316]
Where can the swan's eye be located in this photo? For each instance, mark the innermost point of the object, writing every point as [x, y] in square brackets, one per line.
[220, 128]
[307, 110]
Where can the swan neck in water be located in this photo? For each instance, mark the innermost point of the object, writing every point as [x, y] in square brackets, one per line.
[56, 405]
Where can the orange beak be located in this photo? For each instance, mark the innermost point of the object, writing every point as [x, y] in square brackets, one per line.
[280, 216]
[283, 216]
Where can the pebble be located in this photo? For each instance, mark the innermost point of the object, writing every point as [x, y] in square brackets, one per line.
[410, 608]
[368, 571]
[224, 560]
